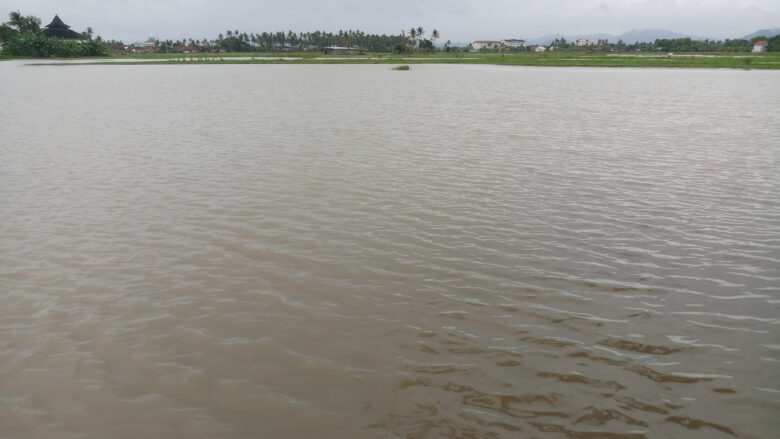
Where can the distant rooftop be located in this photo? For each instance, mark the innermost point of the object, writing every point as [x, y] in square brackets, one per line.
[58, 29]
[57, 23]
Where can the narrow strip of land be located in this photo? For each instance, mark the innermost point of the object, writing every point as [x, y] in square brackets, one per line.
[677, 60]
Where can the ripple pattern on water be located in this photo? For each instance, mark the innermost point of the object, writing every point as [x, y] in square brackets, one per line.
[342, 251]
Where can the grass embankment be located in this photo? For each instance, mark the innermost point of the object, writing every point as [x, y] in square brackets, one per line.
[577, 59]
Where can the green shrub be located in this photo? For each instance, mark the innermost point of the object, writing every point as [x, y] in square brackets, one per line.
[41, 46]
[400, 48]
[93, 48]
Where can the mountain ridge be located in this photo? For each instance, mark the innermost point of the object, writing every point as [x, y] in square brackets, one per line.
[632, 36]
[769, 33]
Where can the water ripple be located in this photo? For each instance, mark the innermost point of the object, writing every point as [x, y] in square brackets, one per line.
[342, 251]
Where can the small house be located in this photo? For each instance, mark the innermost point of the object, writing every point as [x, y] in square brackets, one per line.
[760, 46]
[143, 49]
[489, 45]
[147, 46]
[338, 50]
[513, 44]
[584, 43]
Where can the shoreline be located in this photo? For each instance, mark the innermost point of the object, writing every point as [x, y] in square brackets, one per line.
[741, 60]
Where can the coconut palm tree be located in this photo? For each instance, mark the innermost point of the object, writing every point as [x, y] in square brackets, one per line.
[25, 25]
[434, 36]
[16, 20]
[32, 24]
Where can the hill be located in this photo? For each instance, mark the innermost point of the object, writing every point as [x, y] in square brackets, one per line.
[641, 35]
[769, 33]
[650, 35]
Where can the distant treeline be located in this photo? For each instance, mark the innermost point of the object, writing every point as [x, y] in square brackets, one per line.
[305, 41]
[668, 45]
[22, 35]
[236, 41]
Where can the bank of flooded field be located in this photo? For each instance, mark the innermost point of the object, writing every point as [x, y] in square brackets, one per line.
[563, 59]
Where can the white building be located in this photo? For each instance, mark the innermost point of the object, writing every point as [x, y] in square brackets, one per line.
[479, 45]
[540, 49]
[514, 44]
[582, 43]
[760, 46]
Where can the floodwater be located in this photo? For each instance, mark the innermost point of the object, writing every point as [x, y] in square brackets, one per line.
[214, 57]
[333, 251]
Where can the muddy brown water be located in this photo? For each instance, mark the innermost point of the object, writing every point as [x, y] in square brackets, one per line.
[235, 251]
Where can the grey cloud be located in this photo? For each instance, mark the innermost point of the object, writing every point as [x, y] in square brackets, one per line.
[458, 20]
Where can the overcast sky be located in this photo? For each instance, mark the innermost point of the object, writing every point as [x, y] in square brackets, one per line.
[456, 20]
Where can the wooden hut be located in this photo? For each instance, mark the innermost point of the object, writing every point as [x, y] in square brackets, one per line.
[58, 29]
[337, 50]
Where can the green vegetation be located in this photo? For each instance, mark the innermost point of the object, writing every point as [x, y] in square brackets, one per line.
[23, 38]
[404, 67]
[730, 60]
[19, 26]
[236, 41]
[40, 46]
[24, 25]
[413, 41]
[685, 45]
[421, 44]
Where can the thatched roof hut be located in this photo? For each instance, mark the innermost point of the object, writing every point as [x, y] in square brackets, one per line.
[58, 29]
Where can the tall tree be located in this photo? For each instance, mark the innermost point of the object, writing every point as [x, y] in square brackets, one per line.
[434, 36]
[16, 19]
[31, 25]
[7, 32]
